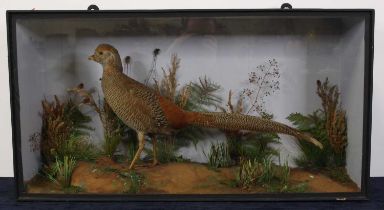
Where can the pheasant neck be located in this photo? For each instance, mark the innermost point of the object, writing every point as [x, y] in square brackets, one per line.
[112, 68]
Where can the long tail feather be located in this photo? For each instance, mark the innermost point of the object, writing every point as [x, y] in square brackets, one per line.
[233, 122]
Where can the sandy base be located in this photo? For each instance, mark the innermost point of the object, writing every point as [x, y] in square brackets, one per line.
[106, 176]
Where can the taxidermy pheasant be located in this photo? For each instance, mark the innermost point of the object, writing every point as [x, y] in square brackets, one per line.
[146, 111]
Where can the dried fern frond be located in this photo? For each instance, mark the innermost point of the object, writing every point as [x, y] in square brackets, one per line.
[60, 120]
[335, 117]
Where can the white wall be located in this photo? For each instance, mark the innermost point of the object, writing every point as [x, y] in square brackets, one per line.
[6, 169]
[352, 85]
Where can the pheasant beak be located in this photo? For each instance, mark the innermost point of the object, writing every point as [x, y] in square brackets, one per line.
[91, 58]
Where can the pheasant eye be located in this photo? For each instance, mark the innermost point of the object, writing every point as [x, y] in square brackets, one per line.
[100, 53]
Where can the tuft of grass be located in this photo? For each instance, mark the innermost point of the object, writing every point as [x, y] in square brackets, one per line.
[166, 150]
[218, 156]
[286, 172]
[268, 172]
[60, 172]
[78, 147]
[136, 182]
[264, 173]
[110, 144]
[249, 173]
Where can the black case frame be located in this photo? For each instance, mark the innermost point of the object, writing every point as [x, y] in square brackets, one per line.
[367, 14]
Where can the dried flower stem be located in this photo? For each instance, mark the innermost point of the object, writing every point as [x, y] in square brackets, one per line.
[265, 82]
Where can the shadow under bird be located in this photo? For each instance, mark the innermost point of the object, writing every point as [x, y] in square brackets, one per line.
[146, 111]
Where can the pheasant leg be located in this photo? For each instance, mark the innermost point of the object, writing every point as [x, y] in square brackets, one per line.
[140, 136]
[154, 143]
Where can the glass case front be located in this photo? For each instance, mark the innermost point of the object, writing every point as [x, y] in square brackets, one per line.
[182, 103]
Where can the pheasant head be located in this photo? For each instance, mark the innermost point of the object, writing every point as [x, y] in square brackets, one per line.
[107, 55]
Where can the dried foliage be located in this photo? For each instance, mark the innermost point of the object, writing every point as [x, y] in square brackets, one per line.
[168, 85]
[63, 139]
[62, 122]
[335, 117]
[264, 173]
[254, 172]
[249, 173]
[328, 125]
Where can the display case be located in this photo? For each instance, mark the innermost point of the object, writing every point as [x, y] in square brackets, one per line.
[271, 104]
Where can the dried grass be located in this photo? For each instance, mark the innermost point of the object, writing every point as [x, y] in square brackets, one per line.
[168, 85]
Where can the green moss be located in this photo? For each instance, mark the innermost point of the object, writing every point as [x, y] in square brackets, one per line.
[276, 186]
[338, 174]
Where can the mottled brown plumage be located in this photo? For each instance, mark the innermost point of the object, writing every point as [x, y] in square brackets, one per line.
[144, 110]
